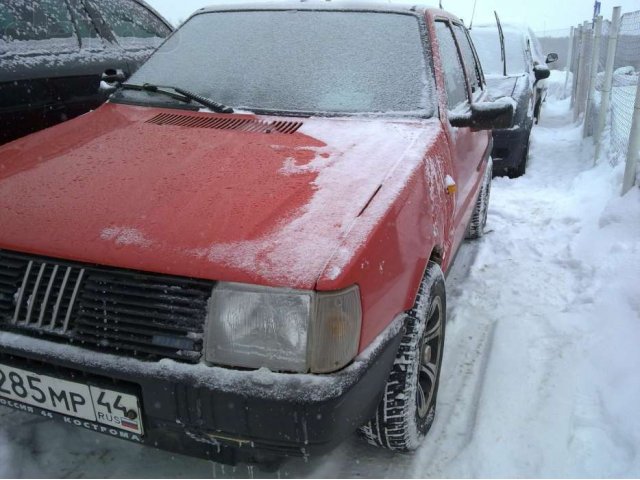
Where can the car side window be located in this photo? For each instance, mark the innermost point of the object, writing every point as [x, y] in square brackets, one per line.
[84, 23]
[29, 20]
[470, 62]
[454, 78]
[529, 54]
[128, 19]
[7, 19]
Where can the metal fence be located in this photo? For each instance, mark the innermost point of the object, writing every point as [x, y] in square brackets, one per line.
[604, 62]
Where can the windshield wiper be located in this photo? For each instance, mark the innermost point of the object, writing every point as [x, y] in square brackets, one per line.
[184, 95]
[207, 102]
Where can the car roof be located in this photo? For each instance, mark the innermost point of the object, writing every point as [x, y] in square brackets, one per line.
[512, 27]
[409, 7]
[519, 28]
[156, 13]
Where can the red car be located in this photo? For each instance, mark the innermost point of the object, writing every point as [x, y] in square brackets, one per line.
[241, 255]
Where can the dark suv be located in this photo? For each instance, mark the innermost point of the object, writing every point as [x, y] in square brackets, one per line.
[517, 72]
[54, 54]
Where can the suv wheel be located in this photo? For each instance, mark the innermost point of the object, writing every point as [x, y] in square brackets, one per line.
[521, 167]
[408, 406]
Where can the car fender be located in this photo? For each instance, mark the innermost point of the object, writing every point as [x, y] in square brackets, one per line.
[401, 228]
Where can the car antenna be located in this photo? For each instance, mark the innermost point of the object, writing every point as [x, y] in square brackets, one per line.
[504, 57]
[440, 5]
[473, 13]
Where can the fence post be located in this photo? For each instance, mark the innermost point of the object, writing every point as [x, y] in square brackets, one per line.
[580, 81]
[593, 74]
[569, 63]
[605, 95]
[633, 152]
[576, 69]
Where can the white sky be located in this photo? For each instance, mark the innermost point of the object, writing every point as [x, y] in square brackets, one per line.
[541, 15]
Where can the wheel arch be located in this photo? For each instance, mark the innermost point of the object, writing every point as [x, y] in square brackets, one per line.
[436, 256]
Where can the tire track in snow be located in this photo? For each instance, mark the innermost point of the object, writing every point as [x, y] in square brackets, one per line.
[467, 348]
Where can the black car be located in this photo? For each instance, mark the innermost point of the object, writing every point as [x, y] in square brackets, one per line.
[514, 68]
[55, 54]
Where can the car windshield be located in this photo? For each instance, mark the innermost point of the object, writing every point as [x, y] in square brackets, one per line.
[308, 62]
[487, 43]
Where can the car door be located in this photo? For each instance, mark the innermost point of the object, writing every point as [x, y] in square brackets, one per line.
[464, 84]
[136, 28]
[534, 57]
[38, 46]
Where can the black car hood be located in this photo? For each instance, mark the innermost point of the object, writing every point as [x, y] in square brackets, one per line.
[519, 88]
[509, 86]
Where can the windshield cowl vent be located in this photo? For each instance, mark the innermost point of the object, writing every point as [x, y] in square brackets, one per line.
[225, 122]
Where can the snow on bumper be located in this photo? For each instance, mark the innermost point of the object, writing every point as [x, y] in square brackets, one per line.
[226, 415]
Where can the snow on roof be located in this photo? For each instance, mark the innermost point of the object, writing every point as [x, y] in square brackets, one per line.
[377, 6]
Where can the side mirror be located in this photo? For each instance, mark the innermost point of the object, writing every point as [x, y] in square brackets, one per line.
[485, 116]
[113, 75]
[552, 57]
[111, 79]
[541, 72]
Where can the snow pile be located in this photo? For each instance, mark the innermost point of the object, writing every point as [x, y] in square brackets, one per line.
[556, 84]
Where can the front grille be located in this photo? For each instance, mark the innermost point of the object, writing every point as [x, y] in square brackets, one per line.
[132, 313]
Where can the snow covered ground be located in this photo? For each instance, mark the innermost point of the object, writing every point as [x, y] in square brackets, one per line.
[540, 376]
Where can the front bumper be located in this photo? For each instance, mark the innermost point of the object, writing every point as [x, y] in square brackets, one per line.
[225, 415]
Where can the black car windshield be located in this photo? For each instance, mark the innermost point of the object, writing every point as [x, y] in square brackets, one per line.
[487, 43]
[312, 62]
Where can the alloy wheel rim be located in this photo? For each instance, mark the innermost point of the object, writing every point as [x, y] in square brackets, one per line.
[429, 359]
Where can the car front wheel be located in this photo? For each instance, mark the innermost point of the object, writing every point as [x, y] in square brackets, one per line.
[481, 208]
[408, 406]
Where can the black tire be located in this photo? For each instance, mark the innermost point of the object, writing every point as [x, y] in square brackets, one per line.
[521, 168]
[479, 216]
[408, 406]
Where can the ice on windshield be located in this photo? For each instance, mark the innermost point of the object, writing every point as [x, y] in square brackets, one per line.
[487, 43]
[305, 61]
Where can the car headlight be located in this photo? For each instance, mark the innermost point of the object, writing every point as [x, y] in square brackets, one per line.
[281, 329]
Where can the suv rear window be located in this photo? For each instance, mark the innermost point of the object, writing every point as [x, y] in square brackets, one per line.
[297, 61]
[487, 42]
[29, 20]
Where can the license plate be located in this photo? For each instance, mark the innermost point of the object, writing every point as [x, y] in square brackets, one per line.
[104, 406]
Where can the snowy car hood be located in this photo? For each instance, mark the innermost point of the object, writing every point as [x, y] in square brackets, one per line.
[509, 86]
[267, 208]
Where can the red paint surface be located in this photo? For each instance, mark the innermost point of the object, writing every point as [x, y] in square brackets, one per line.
[183, 190]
